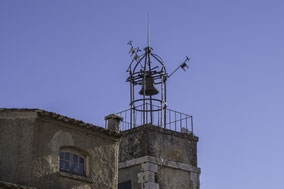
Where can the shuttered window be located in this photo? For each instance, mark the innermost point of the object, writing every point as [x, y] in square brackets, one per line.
[72, 163]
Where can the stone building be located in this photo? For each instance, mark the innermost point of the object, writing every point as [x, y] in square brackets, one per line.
[46, 150]
[148, 146]
[40, 149]
[158, 149]
[152, 158]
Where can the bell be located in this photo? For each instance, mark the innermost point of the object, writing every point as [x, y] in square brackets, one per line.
[150, 87]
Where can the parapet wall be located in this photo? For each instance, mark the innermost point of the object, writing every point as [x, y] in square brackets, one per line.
[157, 142]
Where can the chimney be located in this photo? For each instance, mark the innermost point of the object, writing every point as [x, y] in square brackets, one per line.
[113, 122]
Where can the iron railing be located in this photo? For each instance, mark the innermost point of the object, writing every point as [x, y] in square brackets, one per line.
[172, 120]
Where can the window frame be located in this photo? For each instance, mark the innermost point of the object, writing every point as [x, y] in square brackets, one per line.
[125, 184]
[73, 152]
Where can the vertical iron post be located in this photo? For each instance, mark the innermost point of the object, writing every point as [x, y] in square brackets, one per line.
[175, 121]
[162, 99]
[180, 117]
[144, 86]
[192, 125]
[131, 105]
[170, 120]
[134, 109]
[186, 121]
[151, 110]
[165, 100]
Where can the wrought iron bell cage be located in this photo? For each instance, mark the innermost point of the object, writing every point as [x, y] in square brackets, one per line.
[146, 71]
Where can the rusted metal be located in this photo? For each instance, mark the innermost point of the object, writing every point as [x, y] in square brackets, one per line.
[148, 72]
[178, 121]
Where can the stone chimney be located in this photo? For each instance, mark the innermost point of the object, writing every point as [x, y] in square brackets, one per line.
[113, 122]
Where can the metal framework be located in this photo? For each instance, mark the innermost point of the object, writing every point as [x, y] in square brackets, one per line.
[176, 121]
[142, 66]
[146, 71]
[148, 106]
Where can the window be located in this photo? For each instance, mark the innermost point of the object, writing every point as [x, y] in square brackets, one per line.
[72, 163]
[125, 185]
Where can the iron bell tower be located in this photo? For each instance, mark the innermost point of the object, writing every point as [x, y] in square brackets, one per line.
[148, 89]
[147, 74]
[158, 148]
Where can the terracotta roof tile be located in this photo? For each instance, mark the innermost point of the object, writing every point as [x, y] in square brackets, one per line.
[65, 119]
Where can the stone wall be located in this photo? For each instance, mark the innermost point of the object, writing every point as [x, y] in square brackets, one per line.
[174, 178]
[154, 173]
[156, 158]
[130, 174]
[157, 142]
[30, 144]
[16, 146]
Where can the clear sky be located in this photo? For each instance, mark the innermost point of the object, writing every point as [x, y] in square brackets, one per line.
[70, 57]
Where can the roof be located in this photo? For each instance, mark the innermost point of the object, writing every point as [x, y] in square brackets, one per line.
[13, 186]
[64, 119]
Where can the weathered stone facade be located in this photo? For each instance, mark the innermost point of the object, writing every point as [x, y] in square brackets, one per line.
[155, 158]
[145, 157]
[30, 143]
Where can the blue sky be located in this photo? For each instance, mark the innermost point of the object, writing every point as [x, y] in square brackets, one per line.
[71, 57]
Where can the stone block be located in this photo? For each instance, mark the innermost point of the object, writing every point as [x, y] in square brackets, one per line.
[151, 185]
[153, 159]
[122, 165]
[131, 162]
[146, 176]
[142, 160]
[183, 167]
[172, 164]
[149, 167]
[195, 180]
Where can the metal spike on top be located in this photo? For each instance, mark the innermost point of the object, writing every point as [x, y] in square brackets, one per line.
[148, 36]
[149, 72]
